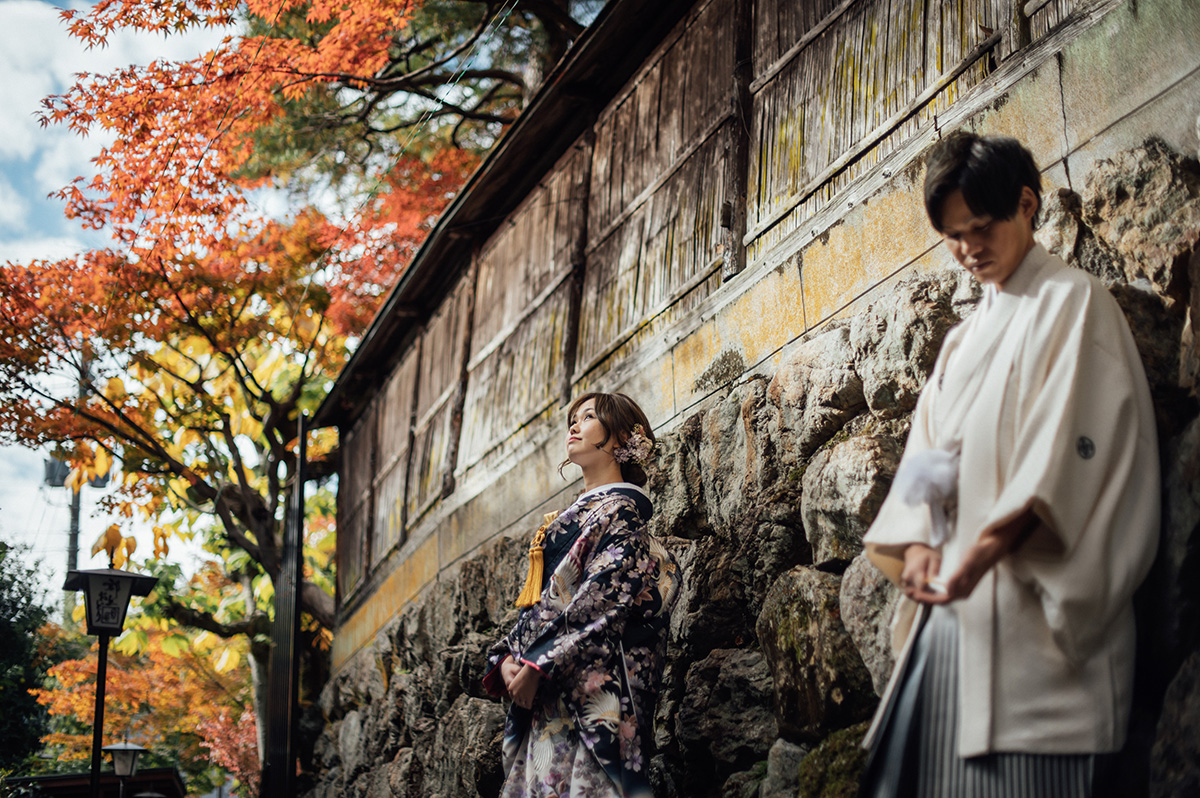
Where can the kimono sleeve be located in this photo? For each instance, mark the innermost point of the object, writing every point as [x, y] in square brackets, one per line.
[898, 524]
[505, 647]
[1084, 459]
[591, 624]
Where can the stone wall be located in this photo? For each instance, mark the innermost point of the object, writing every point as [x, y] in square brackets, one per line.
[779, 643]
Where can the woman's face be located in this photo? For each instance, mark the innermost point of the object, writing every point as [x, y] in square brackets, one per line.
[990, 249]
[585, 434]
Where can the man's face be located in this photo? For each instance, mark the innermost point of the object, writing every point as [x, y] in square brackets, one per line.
[991, 249]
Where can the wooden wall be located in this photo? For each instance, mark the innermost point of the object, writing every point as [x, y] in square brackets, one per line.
[752, 117]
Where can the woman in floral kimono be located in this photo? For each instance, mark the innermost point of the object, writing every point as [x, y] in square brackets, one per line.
[584, 662]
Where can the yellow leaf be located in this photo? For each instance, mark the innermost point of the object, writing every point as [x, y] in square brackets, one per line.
[118, 558]
[204, 641]
[127, 643]
[228, 660]
[103, 462]
[108, 541]
[188, 436]
[75, 481]
[130, 545]
[80, 611]
[174, 645]
[114, 390]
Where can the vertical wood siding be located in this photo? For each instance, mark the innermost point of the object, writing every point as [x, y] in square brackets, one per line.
[437, 377]
[1051, 15]
[651, 128]
[665, 248]
[517, 380]
[779, 24]
[530, 251]
[658, 182]
[841, 97]
[355, 510]
[394, 431]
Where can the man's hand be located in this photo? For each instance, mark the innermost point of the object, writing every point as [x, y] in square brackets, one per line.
[524, 686]
[993, 545]
[921, 565]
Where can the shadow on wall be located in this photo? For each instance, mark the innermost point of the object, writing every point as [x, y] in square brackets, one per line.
[780, 641]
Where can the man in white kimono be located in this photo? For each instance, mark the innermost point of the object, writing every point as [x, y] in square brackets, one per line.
[1023, 516]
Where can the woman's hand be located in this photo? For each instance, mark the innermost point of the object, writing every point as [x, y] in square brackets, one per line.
[921, 565]
[524, 686]
[508, 671]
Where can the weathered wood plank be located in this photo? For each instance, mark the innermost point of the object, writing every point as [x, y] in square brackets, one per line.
[394, 437]
[848, 90]
[529, 252]
[390, 513]
[517, 380]
[663, 246]
[782, 28]
[358, 460]
[430, 443]
[1050, 15]
[676, 103]
[441, 346]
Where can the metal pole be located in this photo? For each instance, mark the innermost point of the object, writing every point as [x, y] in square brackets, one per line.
[98, 716]
[279, 767]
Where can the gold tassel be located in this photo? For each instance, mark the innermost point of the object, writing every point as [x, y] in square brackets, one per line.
[533, 580]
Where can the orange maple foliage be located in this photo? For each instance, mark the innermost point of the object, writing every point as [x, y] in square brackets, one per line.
[204, 328]
[176, 702]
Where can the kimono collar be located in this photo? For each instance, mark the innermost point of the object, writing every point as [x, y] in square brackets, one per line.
[640, 497]
[1021, 280]
[983, 336]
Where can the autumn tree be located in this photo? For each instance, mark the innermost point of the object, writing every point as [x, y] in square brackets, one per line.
[179, 694]
[206, 326]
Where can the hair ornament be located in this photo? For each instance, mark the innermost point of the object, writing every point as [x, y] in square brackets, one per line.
[637, 449]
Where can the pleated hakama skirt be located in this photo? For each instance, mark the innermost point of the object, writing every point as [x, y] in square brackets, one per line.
[916, 750]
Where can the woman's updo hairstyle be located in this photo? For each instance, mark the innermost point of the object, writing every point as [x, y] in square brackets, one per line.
[619, 415]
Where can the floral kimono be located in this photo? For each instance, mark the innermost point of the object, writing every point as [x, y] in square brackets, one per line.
[598, 635]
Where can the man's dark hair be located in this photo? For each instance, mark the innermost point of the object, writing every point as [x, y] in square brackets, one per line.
[990, 171]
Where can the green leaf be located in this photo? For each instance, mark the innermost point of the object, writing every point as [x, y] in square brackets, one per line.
[175, 645]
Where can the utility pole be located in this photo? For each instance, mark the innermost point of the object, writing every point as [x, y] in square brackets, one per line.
[56, 477]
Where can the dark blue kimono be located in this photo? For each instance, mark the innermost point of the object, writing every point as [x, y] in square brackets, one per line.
[598, 635]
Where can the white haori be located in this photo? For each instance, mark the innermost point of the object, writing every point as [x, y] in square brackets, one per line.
[1043, 395]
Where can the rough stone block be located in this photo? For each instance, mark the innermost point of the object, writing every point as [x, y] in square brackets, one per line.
[783, 770]
[844, 487]
[896, 340]
[1175, 762]
[820, 681]
[814, 393]
[868, 601]
[725, 723]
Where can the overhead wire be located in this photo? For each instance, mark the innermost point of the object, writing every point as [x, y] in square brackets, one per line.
[417, 129]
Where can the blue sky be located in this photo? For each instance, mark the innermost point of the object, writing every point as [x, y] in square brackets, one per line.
[38, 58]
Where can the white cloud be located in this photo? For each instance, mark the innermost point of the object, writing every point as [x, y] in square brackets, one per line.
[38, 57]
[23, 250]
[13, 210]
